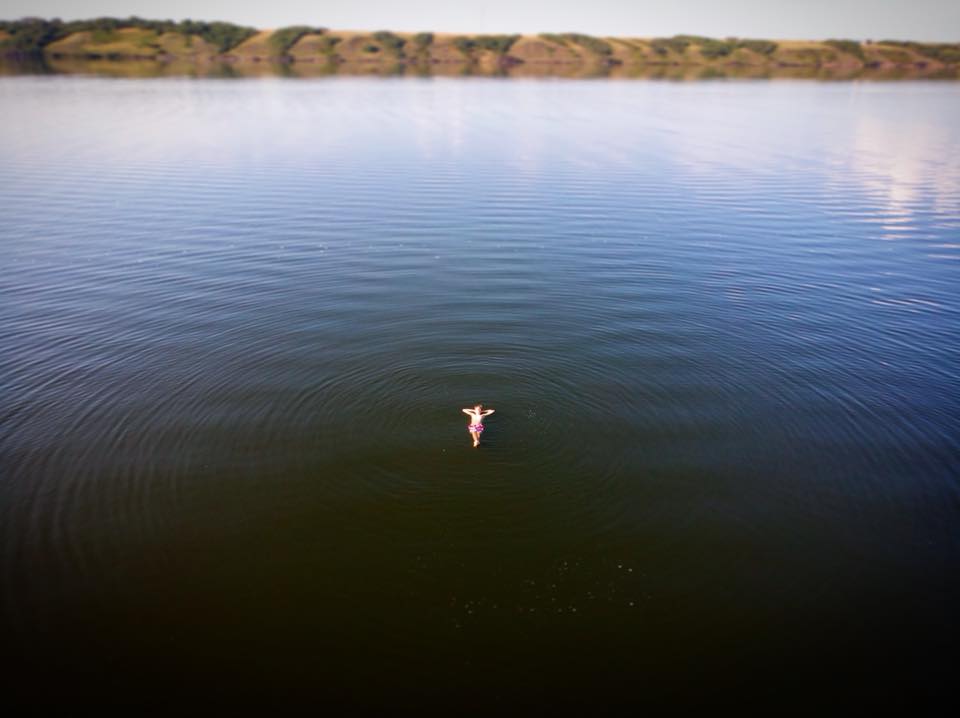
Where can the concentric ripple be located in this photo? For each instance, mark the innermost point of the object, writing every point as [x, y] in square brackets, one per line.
[719, 324]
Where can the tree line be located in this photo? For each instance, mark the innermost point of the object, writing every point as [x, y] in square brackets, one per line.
[30, 35]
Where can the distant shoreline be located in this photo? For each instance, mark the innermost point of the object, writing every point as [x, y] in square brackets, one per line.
[203, 46]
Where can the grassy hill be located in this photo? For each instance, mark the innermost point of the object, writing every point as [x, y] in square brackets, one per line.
[200, 42]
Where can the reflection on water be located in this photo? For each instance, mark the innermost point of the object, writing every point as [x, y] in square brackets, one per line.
[178, 68]
[892, 162]
[719, 322]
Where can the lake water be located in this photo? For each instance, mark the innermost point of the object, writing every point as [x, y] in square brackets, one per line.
[719, 323]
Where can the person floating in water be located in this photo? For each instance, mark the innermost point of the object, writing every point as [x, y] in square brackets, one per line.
[475, 427]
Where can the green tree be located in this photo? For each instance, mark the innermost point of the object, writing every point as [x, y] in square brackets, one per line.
[30, 35]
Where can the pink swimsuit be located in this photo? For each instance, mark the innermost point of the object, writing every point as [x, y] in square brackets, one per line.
[475, 427]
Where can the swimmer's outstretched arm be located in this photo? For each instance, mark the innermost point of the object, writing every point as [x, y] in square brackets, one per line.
[488, 412]
[468, 411]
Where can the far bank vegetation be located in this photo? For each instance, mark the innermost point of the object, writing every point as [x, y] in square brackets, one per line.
[199, 41]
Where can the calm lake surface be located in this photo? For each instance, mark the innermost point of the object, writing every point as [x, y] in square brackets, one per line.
[719, 323]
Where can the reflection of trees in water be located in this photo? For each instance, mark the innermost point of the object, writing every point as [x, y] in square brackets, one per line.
[222, 70]
[32, 64]
[42, 65]
[712, 73]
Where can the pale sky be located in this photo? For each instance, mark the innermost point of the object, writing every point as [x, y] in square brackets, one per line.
[927, 20]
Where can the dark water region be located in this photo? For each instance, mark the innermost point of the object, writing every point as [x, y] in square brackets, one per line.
[150, 68]
[718, 322]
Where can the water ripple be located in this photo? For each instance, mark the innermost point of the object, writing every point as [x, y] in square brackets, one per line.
[235, 327]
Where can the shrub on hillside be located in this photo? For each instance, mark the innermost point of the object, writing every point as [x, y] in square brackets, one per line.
[944, 52]
[593, 44]
[466, 45]
[712, 49]
[390, 41]
[761, 47]
[692, 39]
[101, 36]
[422, 40]
[554, 38]
[664, 45]
[948, 53]
[327, 43]
[496, 43]
[222, 35]
[286, 37]
[851, 47]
